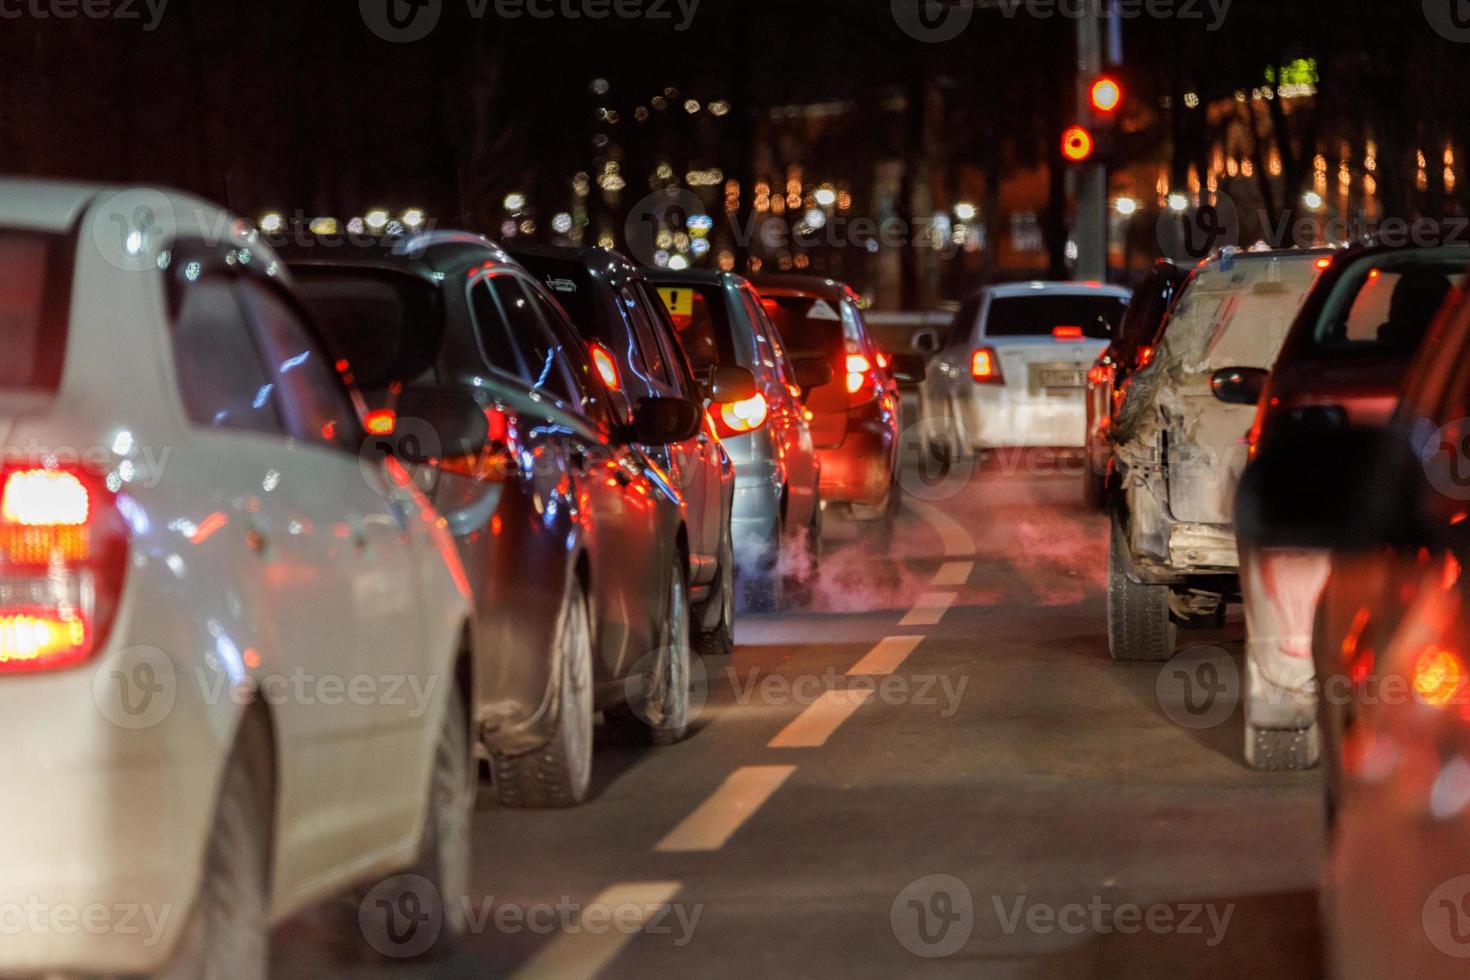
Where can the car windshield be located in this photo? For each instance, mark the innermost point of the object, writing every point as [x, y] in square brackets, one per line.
[33, 314]
[703, 322]
[1385, 302]
[386, 324]
[1045, 315]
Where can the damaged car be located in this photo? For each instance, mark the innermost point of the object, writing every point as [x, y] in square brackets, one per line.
[1179, 446]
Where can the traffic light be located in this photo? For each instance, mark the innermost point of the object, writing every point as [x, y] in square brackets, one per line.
[1077, 144]
[1106, 95]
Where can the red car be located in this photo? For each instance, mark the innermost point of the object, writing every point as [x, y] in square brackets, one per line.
[856, 417]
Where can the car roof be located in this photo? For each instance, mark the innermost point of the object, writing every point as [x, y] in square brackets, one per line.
[1053, 288]
[828, 289]
[430, 255]
[604, 263]
[693, 277]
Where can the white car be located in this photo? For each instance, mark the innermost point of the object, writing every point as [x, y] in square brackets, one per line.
[1014, 371]
[231, 635]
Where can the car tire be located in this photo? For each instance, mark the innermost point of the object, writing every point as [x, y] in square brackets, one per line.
[229, 932]
[659, 715]
[801, 580]
[763, 591]
[559, 773]
[719, 641]
[875, 524]
[1281, 749]
[1140, 627]
[433, 890]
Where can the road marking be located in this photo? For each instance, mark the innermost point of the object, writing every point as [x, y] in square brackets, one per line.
[589, 949]
[812, 728]
[954, 573]
[715, 822]
[929, 610]
[952, 534]
[886, 656]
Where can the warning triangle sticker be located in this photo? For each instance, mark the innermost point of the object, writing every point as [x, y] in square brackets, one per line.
[822, 310]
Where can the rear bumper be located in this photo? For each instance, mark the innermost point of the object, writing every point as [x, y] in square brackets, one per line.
[1000, 417]
[105, 829]
[861, 469]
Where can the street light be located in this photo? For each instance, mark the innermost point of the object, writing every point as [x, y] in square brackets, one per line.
[1178, 202]
[377, 219]
[1106, 95]
[1125, 206]
[965, 211]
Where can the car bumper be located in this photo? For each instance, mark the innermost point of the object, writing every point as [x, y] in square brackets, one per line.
[861, 469]
[105, 829]
[1000, 417]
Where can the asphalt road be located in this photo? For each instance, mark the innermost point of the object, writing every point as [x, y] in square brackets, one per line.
[935, 770]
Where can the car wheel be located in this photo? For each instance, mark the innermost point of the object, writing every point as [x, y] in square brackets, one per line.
[804, 562]
[763, 590]
[560, 772]
[720, 639]
[875, 524]
[229, 933]
[1281, 750]
[1139, 624]
[659, 713]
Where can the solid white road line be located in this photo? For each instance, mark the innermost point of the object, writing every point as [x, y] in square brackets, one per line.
[717, 819]
[607, 924]
[954, 573]
[929, 610]
[886, 656]
[812, 728]
[952, 534]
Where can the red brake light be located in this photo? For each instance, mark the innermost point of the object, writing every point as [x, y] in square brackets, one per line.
[1066, 333]
[1145, 356]
[883, 361]
[1323, 263]
[62, 560]
[985, 366]
[381, 422]
[606, 367]
[738, 418]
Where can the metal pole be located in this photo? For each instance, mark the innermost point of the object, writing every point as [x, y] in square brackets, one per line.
[1091, 231]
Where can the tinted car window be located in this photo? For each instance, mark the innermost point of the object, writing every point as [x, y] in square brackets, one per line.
[811, 326]
[643, 332]
[1386, 302]
[668, 341]
[1038, 316]
[492, 332]
[33, 320]
[221, 374]
[387, 326]
[588, 395]
[703, 323]
[312, 399]
[542, 354]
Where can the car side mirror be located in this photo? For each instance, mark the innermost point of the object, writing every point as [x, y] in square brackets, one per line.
[729, 383]
[925, 341]
[660, 421]
[1344, 489]
[1239, 385]
[812, 372]
[907, 368]
[432, 424]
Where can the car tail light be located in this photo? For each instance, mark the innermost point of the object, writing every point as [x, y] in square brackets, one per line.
[606, 367]
[1438, 675]
[1067, 333]
[985, 366]
[883, 360]
[1097, 374]
[380, 422]
[63, 547]
[738, 418]
[860, 376]
[1145, 356]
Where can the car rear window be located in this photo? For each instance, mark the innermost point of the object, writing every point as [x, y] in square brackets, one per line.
[1386, 302]
[702, 321]
[1042, 315]
[35, 283]
[387, 325]
[810, 326]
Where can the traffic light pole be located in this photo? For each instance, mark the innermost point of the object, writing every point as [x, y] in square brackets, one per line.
[1091, 229]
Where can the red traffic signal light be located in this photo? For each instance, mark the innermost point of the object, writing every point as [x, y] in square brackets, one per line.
[1077, 144]
[1106, 95]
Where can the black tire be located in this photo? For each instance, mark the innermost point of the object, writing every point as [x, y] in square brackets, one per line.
[877, 532]
[229, 931]
[719, 640]
[559, 773]
[420, 914]
[657, 712]
[1139, 625]
[1280, 749]
[801, 580]
[764, 590]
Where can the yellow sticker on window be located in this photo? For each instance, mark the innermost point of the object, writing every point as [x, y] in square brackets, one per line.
[679, 301]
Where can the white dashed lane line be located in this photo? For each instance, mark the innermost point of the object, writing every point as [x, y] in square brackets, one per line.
[886, 657]
[736, 801]
[954, 573]
[607, 924]
[929, 610]
[953, 535]
[812, 728]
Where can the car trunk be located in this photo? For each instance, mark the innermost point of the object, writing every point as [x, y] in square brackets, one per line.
[812, 327]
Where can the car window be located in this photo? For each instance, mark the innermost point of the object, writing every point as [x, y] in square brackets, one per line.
[492, 332]
[386, 325]
[1042, 315]
[643, 334]
[667, 337]
[221, 373]
[33, 316]
[312, 399]
[702, 323]
[588, 394]
[1386, 302]
[544, 357]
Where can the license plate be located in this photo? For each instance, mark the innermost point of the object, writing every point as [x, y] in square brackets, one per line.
[1062, 378]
